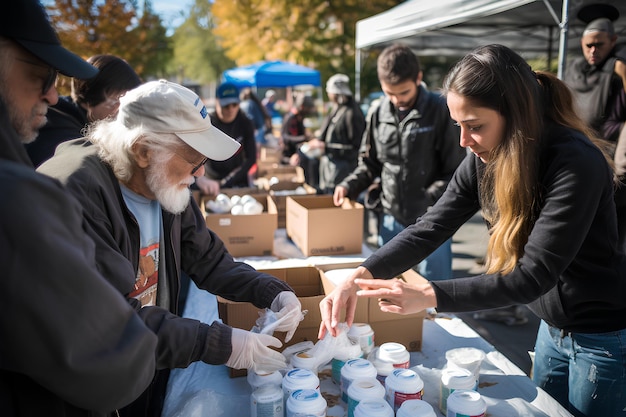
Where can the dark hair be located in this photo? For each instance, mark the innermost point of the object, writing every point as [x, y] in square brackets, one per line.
[499, 79]
[247, 94]
[396, 64]
[115, 75]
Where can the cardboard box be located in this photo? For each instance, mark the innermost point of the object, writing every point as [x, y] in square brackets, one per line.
[279, 193]
[246, 234]
[388, 327]
[319, 228]
[311, 285]
[279, 173]
[307, 285]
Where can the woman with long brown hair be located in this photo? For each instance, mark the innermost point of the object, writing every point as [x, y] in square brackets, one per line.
[545, 188]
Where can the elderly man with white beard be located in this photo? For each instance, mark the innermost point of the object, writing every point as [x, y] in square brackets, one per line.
[131, 173]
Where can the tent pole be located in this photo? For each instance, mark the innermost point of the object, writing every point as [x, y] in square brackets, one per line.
[563, 41]
[357, 75]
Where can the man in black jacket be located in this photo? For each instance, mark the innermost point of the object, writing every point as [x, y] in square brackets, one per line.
[70, 344]
[411, 143]
[132, 176]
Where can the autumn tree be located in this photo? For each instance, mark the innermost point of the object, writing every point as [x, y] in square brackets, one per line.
[90, 27]
[316, 33]
[197, 53]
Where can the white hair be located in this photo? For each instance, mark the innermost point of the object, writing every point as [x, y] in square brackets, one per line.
[115, 144]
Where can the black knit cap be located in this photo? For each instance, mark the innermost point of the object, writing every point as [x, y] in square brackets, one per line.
[27, 23]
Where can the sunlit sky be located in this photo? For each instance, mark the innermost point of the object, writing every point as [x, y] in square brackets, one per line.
[171, 11]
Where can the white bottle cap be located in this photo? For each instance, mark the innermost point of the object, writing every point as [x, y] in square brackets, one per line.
[373, 408]
[299, 378]
[363, 389]
[256, 380]
[466, 402]
[416, 408]
[395, 353]
[303, 360]
[307, 402]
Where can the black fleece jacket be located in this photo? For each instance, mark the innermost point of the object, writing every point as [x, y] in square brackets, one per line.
[70, 345]
[189, 246]
[571, 274]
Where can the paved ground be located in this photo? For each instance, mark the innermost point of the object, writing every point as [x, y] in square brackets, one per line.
[468, 244]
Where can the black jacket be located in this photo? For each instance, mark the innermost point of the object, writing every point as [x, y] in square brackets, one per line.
[66, 120]
[571, 274]
[414, 158]
[189, 246]
[342, 132]
[70, 345]
[233, 172]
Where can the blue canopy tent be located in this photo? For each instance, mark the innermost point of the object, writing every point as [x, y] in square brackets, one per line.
[265, 74]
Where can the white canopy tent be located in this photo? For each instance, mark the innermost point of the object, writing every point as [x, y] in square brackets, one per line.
[454, 27]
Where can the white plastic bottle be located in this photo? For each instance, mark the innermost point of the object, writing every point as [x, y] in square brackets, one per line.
[453, 379]
[256, 380]
[402, 385]
[395, 353]
[363, 389]
[373, 408]
[299, 378]
[462, 403]
[304, 360]
[306, 402]
[355, 369]
[353, 352]
[416, 408]
[267, 401]
[362, 334]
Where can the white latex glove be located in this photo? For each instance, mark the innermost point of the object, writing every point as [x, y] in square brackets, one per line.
[287, 307]
[251, 351]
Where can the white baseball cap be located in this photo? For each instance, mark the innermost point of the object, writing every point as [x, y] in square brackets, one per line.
[166, 107]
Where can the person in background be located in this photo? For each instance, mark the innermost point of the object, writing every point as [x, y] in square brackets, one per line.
[293, 135]
[411, 144]
[71, 344]
[256, 112]
[341, 134]
[269, 102]
[234, 171]
[90, 100]
[132, 175]
[531, 160]
[598, 80]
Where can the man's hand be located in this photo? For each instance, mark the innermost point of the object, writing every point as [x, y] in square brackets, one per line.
[208, 186]
[287, 307]
[339, 195]
[251, 351]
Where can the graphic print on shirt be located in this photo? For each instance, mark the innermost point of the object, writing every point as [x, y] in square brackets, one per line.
[145, 289]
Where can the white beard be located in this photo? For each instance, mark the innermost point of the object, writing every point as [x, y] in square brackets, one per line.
[171, 197]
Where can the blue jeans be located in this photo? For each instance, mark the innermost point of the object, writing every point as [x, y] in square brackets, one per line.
[436, 267]
[584, 372]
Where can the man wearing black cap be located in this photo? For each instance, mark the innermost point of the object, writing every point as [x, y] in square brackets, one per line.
[70, 344]
[30, 56]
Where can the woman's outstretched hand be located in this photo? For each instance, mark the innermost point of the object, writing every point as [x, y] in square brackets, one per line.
[342, 298]
[398, 296]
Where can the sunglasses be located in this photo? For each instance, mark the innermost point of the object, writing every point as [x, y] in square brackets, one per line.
[195, 167]
[50, 79]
